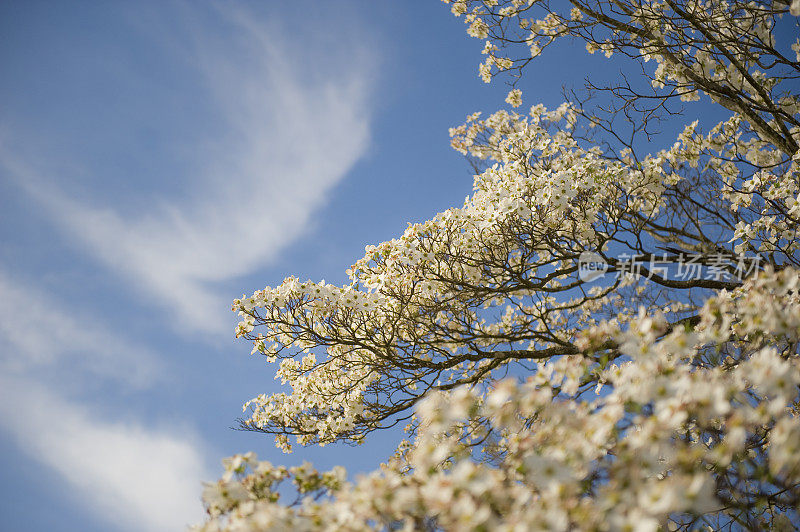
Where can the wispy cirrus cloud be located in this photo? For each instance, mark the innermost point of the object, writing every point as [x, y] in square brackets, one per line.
[132, 477]
[291, 118]
[41, 335]
[286, 137]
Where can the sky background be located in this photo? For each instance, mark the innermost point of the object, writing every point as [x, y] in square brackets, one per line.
[157, 160]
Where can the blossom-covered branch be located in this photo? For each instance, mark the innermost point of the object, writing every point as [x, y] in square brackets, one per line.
[536, 396]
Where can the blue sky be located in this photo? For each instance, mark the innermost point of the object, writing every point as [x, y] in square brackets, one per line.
[158, 159]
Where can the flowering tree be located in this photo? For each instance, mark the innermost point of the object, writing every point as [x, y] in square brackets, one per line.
[537, 397]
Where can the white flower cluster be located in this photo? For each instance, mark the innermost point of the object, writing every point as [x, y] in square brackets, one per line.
[561, 195]
[648, 453]
[543, 185]
[660, 31]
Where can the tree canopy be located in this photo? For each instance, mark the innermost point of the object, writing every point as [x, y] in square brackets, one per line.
[661, 394]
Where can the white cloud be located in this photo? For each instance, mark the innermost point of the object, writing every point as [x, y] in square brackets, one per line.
[39, 334]
[295, 122]
[288, 137]
[132, 477]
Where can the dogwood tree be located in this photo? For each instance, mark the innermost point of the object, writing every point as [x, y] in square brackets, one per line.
[661, 394]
